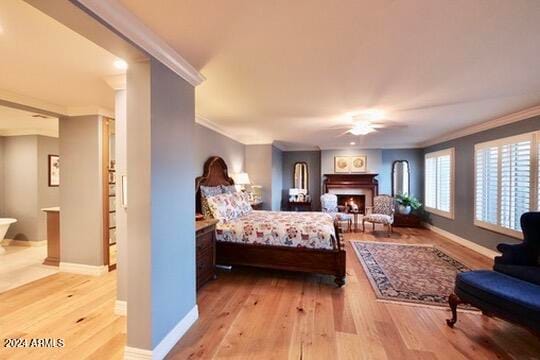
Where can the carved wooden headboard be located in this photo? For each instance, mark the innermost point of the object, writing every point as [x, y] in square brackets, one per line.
[215, 173]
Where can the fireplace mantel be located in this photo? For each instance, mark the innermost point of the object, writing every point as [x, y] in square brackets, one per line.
[352, 181]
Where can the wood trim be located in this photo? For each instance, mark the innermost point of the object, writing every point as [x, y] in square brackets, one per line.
[105, 187]
[352, 181]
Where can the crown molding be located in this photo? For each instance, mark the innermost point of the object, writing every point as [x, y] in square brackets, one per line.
[23, 132]
[116, 82]
[89, 110]
[490, 124]
[215, 127]
[130, 26]
[30, 102]
[388, 147]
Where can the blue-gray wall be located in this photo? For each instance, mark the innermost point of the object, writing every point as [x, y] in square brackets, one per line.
[211, 143]
[463, 225]
[161, 199]
[415, 157]
[173, 200]
[277, 176]
[313, 159]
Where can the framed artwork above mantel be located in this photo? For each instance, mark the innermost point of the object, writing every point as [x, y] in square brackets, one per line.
[350, 164]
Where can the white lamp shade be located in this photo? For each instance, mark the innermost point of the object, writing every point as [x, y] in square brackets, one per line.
[241, 178]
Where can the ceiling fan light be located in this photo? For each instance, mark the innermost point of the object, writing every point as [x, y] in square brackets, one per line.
[361, 129]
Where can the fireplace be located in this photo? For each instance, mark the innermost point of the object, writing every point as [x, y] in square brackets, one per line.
[352, 203]
[362, 188]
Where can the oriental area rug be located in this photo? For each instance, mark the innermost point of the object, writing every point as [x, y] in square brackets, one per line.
[409, 274]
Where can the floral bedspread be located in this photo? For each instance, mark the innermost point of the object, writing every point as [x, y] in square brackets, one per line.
[280, 228]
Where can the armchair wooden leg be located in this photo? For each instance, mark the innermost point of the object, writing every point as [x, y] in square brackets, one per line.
[453, 301]
[363, 225]
[373, 227]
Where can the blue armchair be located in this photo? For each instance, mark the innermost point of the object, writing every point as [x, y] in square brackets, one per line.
[512, 290]
[522, 261]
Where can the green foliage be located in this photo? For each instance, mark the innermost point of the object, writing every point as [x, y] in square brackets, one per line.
[406, 200]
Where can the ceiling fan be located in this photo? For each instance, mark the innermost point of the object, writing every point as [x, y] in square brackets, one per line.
[364, 124]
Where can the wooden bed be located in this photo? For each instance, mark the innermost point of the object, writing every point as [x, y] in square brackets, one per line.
[331, 262]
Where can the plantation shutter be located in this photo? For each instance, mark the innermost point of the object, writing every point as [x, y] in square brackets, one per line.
[515, 182]
[444, 169]
[486, 185]
[431, 182]
[439, 172]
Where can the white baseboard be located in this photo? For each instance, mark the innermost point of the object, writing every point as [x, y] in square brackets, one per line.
[83, 269]
[167, 343]
[464, 242]
[120, 307]
[132, 353]
[13, 242]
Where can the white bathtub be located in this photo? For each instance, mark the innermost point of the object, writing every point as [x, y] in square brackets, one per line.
[4, 226]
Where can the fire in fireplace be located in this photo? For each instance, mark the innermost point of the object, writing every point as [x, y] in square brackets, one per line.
[352, 203]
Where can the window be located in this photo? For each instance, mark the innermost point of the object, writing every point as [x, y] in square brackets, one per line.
[439, 179]
[506, 182]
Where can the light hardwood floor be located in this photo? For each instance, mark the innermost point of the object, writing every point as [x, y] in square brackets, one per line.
[76, 308]
[257, 314]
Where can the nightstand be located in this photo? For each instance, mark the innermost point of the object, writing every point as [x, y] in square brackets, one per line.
[299, 205]
[205, 249]
[410, 220]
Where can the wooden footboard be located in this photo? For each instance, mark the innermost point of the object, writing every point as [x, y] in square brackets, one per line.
[331, 262]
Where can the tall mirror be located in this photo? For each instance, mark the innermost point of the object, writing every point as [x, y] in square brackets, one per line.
[301, 176]
[401, 178]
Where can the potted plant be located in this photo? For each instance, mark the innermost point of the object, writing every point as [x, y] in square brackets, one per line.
[407, 203]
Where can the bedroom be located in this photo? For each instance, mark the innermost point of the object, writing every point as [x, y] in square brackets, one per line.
[311, 181]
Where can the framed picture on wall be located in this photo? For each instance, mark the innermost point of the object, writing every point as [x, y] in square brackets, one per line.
[342, 164]
[54, 170]
[359, 164]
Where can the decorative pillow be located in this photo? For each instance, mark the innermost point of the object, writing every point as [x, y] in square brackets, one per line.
[224, 207]
[241, 200]
[226, 189]
[206, 192]
[211, 190]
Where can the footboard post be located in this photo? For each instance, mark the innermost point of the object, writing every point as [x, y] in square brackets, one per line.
[341, 256]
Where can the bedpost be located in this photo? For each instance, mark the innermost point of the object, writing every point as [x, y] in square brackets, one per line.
[340, 256]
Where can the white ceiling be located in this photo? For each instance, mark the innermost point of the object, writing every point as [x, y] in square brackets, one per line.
[20, 122]
[291, 71]
[45, 61]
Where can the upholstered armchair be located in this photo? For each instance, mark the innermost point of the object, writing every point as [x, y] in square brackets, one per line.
[329, 204]
[512, 290]
[382, 212]
[522, 260]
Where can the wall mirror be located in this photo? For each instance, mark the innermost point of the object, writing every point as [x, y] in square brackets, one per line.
[401, 177]
[301, 176]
